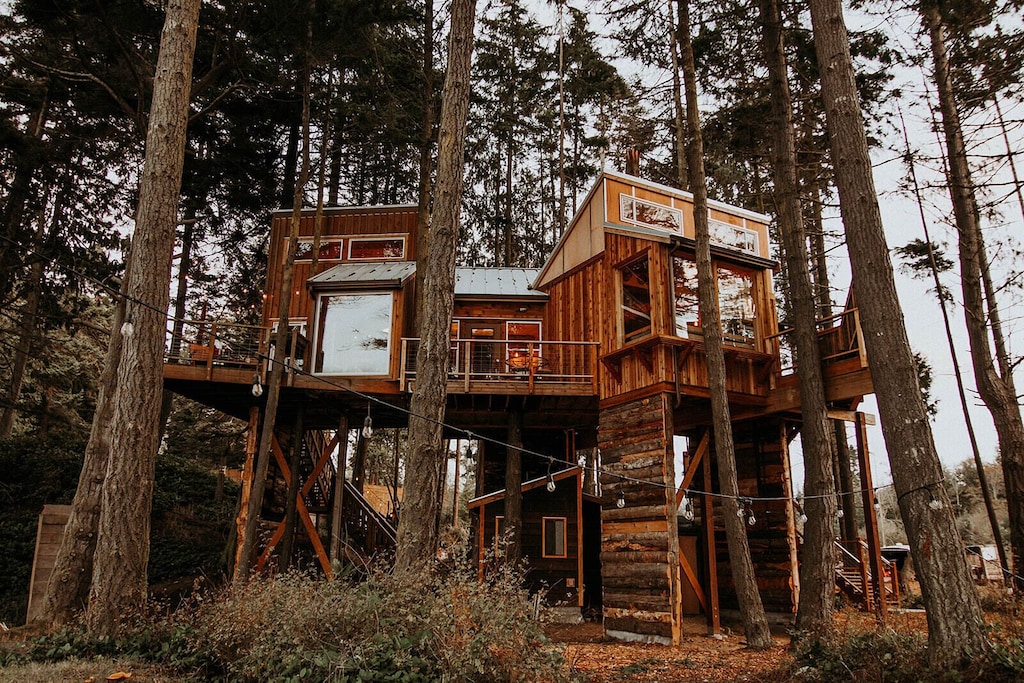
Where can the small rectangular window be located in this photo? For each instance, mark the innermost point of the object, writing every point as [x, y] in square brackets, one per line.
[733, 236]
[373, 249]
[650, 214]
[330, 249]
[554, 537]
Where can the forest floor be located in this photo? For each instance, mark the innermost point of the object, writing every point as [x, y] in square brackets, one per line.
[699, 657]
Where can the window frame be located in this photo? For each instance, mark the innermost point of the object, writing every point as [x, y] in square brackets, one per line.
[644, 331]
[321, 325]
[632, 201]
[544, 538]
[376, 238]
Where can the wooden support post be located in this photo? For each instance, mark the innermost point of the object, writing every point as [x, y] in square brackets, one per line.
[708, 517]
[294, 463]
[455, 494]
[870, 519]
[790, 512]
[359, 462]
[337, 523]
[252, 436]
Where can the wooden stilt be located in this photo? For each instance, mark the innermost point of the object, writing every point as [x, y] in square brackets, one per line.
[708, 516]
[248, 469]
[870, 519]
[337, 524]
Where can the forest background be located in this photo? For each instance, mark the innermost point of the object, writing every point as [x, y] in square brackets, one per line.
[76, 84]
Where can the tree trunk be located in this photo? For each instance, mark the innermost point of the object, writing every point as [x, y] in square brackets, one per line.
[755, 624]
[278, 359]
[67, 591]
[679, 112]
[513, 488]
[817, 561]
[955, 623]
[986, 489]
[417, 533]
[426, 139]
[995, 388]
[119, 585]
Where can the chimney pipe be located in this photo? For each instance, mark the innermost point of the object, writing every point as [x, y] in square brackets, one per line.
[633, 161]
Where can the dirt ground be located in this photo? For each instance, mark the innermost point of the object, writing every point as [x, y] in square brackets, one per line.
[698, 658]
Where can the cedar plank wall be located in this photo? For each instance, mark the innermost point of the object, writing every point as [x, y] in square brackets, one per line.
[761, 472]
[640, 542]
[344, 221]
[584, 305]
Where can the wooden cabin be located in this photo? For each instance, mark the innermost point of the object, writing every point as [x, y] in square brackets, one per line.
[601, 355]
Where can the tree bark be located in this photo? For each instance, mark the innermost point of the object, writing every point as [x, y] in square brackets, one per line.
[955, 623]
[755, 623]
[994, 386]
[67, 591]
[119, 584]
[817, 561]
[513, 488]
[417, 533]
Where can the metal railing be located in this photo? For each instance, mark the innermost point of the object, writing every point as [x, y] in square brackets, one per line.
[511, 360]
[206, 342]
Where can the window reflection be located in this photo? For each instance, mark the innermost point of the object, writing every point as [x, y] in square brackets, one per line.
[735, 301]
[636, 300]
[355, 334]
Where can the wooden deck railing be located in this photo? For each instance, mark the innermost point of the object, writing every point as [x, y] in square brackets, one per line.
[521, 364]
[839, 338]
[853, 575]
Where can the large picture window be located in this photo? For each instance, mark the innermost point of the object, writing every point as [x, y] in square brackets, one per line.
[636, 300]
[735, 301]
[354, 334]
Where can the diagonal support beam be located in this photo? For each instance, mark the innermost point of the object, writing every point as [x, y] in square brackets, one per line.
[303, 513]
[692, 465]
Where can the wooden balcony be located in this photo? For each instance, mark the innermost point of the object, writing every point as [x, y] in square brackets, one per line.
[509, 366]
[215, 351]
[843, 358]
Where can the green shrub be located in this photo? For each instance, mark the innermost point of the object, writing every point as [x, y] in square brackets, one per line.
[411, 628]
[888, 655]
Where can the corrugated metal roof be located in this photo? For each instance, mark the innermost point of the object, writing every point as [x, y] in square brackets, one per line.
[379, 273]
[513, 282]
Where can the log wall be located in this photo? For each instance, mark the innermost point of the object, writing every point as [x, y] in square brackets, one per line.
[639, 542]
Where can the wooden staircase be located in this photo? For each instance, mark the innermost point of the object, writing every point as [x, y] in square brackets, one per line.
[853, 577]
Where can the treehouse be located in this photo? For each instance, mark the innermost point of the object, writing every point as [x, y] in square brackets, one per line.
[596, 362]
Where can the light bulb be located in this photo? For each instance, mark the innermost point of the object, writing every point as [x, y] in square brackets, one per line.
[803, 519]
[257, 387]
[620, 502]
[687, 510]
[935, 504]
[367, 427]
[741, 512]
[127, 329]
[751, 520]
[551, 484]
[840, 513]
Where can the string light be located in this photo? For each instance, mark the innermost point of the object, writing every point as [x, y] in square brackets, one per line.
[935, 503]
[840, 513]
[127, 329]
[687, 509]
[803, 518]
[620, 502]
[257, 386]
[367, 424]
